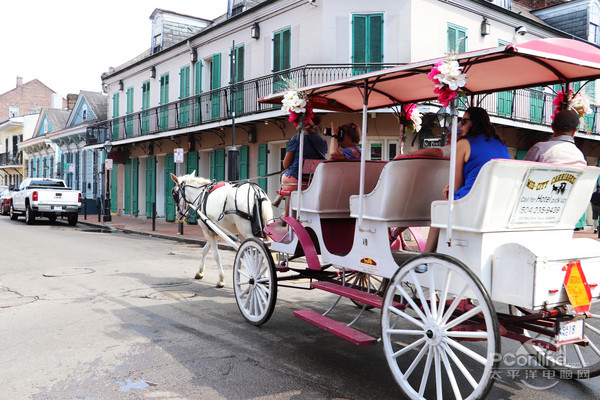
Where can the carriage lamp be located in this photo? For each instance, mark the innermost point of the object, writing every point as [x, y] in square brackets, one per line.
[107, 217]
[444, 117]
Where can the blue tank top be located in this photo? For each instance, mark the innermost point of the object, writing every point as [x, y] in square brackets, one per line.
[482, 151]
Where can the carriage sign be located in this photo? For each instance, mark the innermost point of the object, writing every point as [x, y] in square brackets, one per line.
[543, 196]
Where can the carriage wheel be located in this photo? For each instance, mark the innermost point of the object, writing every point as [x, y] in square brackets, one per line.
[439, 329]
[365, 282]
[254, 281]
[580, 361]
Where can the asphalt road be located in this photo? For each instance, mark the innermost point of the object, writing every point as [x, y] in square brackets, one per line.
[86, 315]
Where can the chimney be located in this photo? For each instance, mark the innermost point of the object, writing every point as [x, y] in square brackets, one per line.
[71, 100]
[19, 81]
[56, 101]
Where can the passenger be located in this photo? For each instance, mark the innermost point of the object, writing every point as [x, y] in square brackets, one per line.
[561, 148]
[479, 143]
[315, 147]
[344, 142]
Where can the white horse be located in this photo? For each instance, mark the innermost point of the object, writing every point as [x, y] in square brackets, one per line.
[238, 208]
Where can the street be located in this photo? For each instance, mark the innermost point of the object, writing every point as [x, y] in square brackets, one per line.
[94, 315]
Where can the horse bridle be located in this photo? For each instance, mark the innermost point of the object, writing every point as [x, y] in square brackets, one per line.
[178, 190]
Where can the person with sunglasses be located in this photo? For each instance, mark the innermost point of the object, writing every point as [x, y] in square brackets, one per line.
[478, 144]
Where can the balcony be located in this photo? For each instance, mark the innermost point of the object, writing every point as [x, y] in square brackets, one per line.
[11, 159]
[530, 106]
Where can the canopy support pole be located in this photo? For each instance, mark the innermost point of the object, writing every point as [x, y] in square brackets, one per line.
[451, 185]
[363, 156]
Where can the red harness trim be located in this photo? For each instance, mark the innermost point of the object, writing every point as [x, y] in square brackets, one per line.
[218, 185]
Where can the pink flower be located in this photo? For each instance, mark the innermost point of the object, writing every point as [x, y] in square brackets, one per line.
[446, 96]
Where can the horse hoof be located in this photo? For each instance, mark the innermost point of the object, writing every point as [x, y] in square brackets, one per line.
[220, 284]
[198, 276]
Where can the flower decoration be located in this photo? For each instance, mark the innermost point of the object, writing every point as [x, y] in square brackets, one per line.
[448, 78]
[565, 100]
[412, 118]
[298, 105]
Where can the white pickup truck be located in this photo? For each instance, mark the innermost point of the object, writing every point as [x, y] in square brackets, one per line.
[45, 197]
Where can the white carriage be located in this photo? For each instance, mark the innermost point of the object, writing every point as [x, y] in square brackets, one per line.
[509, 241]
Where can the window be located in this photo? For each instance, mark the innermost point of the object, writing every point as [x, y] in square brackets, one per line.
[115, 114]
[215, 83]
[129, 121]
[84, 113]
[13, 112]
[163, 118]
[145, 106]
[457, 39]
[367, 41]
[594, 33]
[184, 93]
[237, 76]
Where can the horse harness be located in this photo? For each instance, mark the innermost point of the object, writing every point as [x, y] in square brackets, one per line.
[255, 218]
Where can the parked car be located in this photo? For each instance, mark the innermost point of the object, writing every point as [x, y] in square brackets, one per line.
[5, 196]
[44, 197]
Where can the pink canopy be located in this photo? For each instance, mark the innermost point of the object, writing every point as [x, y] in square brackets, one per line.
[534, 63]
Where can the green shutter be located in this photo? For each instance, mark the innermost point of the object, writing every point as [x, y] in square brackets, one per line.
[145, 105]
[536, 106]
[217, 165]
[169, 184]
[215, 83]
[262, 165]
[197, 91]
[127, 189]
[135, 186]
[359, 42]
[129, 123]
[184, 93]
[163, 118]
[367, 41]
[457, 39]
[115, 127]
[237, 77]
[243, 162]
[281, 57]
[114, 184]
[505, 103]
[150, 184]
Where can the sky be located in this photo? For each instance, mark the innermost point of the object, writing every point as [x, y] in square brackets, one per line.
[68, 44]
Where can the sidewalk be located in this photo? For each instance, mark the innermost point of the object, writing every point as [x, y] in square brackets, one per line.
[193, 233]
[143, 226]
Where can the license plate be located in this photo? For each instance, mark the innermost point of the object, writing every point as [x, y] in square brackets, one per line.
[59, 208]
[570, 330]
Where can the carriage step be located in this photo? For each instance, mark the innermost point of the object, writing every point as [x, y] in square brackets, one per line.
[369, 299]
[335, 327]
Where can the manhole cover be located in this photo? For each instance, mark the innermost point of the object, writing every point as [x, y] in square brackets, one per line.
[171, 294]
[69, 272]
[17, 301]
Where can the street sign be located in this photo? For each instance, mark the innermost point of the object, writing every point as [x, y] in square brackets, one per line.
[108, 164]
[72, 168]
[178, 155]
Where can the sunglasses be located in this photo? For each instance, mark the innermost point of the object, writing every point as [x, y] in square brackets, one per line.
[464, 121]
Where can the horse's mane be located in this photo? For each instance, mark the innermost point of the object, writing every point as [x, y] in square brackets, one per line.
[192, 178]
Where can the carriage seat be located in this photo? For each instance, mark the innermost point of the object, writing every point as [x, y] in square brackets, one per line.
[332, 185]
[404, 191]
[309, 166]
[512, 195]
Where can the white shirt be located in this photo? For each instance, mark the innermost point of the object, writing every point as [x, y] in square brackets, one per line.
[557, 150]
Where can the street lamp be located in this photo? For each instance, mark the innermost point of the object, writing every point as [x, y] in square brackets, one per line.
[107, 217]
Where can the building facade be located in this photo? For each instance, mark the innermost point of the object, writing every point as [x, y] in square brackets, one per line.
[200, 94]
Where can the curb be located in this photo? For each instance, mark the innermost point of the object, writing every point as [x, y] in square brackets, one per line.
[202, 242]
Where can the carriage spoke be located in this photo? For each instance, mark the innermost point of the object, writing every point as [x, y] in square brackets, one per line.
[406, 316]
[453, 306]
[438, 374]
[426, 370]
[592, 328]
[450, 374]
[408, 348]
[466, 351]
[246, 290]
[579, 356]
[593, 346]
[432, 298]
[411, 302]
[444, 296]
[422, 297]
[472, 312]
[416, 361]
[467, 334]
[404, 332]
[460, 365]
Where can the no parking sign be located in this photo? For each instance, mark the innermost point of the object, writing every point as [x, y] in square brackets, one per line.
[178, 155]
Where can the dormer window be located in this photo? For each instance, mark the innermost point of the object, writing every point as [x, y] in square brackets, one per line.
[84, 113]
[237, 7]
[13, 112]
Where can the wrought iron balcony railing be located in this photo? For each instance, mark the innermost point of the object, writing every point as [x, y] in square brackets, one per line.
[11, 158]
[525, 105]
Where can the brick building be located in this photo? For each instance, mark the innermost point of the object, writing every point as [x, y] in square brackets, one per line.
[25, 99]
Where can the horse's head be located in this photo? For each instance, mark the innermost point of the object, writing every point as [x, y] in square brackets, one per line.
[189, 182]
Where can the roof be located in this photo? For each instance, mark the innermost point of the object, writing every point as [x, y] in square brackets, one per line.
[98, 102]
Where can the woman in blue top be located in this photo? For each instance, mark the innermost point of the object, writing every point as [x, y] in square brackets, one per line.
[478, 144]
[344, 142]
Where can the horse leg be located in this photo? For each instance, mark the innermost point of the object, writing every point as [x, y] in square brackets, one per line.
[213, 243]
[200, 273]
